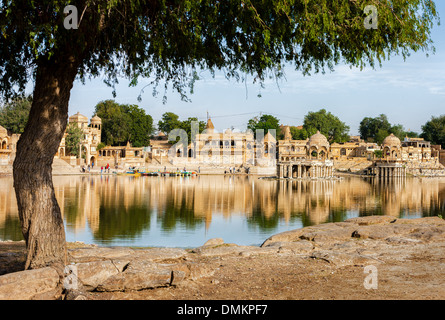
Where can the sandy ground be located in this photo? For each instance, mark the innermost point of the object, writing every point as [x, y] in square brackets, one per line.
[291, 277]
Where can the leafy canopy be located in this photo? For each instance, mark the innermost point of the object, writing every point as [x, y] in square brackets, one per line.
[122, 123]
[14, 114]
[73, 139]
[378, 128]
[266, 122]
[434, 130]
[328, 124]
[170, 41]
[170, 121]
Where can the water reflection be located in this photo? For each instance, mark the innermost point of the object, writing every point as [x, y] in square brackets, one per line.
[185, 211]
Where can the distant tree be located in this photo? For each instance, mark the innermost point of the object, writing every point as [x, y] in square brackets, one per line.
[169, 122]
[434, 130]
[100, 146]
[369, 127]
[378, 154]
[328, 124]
[298, 134]
[265, 122]
[122, 123]
[140, 126]
[187, 126]
[378, 128]
[14, 114]
[380, 136]
[412, 134]
[73, 139]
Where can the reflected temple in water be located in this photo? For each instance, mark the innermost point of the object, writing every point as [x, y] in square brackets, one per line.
[185, 211]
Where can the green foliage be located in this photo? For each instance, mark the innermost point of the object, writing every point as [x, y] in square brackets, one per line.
[372, 129]
[265, 122]
[73, 139]
[170, 121]
[378, 154]
[14, 114]
[187, 126]
[122, 123]
[171, 41]
[434, 130]
[328, 124]
[378, 128]
[298, 134]
[100, 146]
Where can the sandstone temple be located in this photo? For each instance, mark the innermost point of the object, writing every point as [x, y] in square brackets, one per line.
[248, 152]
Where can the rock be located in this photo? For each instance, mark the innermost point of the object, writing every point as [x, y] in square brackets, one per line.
[372, 227]
[214, 242]
[92, 274]
[320, 233]
[224, 249]
[200, 270]
[424, 221]
[75, 295]
[370, 220]
[25, 285]
[150, 276]
[373, 232]
[96, 253]
[159, 254]
[298, 247]
[340, 259]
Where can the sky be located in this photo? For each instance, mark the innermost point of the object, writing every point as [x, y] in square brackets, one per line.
[409, 92]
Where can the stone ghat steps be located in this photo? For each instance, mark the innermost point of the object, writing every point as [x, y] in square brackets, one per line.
[59, 167]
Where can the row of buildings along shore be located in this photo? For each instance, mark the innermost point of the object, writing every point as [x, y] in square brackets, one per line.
[240, 152]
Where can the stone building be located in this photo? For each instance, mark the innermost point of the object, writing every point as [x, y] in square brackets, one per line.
[309, 160]
[413, 155]
[159, 147]
[91, 137]
[121, 156]
[8, 143]
[5, 151]
[214, 148]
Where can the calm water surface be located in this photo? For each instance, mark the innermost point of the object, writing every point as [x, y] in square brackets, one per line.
[187, 211]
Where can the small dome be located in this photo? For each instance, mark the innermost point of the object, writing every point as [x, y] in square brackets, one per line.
[391, 141]
[78, 118]
[318, 140]
[96, 119]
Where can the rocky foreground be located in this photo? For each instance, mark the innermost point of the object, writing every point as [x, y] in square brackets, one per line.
[377, 257]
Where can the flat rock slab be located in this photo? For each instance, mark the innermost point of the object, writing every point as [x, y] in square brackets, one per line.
[96, 253]
[29, 284]
[372, 227]
[91, 274]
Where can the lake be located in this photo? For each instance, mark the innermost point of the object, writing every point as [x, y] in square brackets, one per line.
[187, 211]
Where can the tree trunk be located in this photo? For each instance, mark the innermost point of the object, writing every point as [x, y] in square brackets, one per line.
[39, 212]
